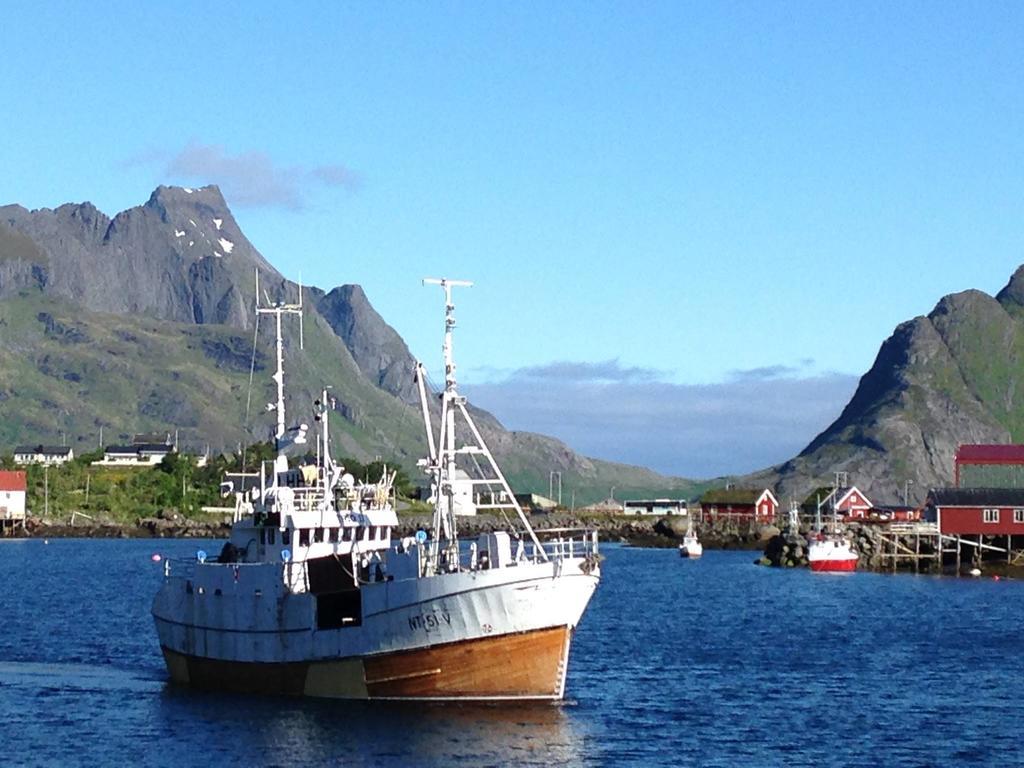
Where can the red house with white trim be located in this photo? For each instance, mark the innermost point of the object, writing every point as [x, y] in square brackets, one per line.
[852, 504]
[977, 511]
[739, 504]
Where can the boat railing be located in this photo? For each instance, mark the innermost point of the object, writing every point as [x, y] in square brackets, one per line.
[187, 567]
[568, 542]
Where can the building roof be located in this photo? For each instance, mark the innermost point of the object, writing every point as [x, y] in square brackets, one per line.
[843, 493]
[732, 496]
[990, 454]
[977, 497]
[153, 448]
[146, 438]
[12, 481]
[135, 450]
[46, 450]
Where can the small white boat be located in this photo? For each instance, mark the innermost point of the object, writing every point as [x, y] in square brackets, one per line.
[691, 546]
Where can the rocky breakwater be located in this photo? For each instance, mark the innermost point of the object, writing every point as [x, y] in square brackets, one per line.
[873, 543]
[171, 526]
[785, 550]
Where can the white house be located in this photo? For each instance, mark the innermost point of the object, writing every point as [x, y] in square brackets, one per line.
[43, 454]
[142, 455]
[12, 496]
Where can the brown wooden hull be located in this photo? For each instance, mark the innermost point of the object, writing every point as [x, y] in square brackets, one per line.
[527, 665]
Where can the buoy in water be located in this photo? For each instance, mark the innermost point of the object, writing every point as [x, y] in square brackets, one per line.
[46, 541]
[156, 557]
[975, 572]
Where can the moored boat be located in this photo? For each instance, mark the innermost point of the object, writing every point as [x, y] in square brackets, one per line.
[313, 596]
[831, 553]
[691, 546]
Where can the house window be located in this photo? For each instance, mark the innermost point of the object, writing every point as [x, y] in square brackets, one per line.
[990, 515]
[1018, 515]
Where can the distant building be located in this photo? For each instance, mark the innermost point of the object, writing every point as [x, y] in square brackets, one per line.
[145, 450]
[43, 454]
[13, 486]
[739, 504]
[989, 466]
[141, 455]
[534, 502]
[655, 507]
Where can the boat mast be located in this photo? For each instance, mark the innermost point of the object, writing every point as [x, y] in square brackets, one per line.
[278, 309]
[443, 463]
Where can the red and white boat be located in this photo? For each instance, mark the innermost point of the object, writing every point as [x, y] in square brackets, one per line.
[832, 553]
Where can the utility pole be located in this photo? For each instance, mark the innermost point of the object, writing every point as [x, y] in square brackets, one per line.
[551, 485]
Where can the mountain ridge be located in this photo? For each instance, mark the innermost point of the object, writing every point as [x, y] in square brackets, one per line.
[939, 380]
[160, 297]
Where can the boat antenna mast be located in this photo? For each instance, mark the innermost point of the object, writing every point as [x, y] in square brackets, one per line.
[278, 309]
[442, 459]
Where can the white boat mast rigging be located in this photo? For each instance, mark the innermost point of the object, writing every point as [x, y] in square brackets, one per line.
[441, 462]
[278, 309]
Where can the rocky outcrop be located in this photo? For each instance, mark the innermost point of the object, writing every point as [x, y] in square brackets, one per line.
[951, 377]
[376, 347]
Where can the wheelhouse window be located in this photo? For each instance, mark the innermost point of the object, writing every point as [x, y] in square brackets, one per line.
[990, 515]
[303, 537]
[348, 534]
[332, 535]
[1018, 515]
[318, 535]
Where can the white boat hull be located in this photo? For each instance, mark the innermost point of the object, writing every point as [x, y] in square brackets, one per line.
[829, 555]
[489, 634]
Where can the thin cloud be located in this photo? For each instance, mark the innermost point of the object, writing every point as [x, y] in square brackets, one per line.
[764, 373]
[604, 371]
[736, 426]
[338, 176]
[248, 179]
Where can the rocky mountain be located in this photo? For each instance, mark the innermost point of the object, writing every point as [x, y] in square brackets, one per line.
[954, 376]
[144, 323]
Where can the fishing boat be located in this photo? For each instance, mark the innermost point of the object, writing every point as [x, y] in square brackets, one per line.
[831, 552]
[313, 595]
[691, 546]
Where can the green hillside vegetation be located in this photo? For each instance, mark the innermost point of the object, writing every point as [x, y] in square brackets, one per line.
[65, 371]
[176, 486]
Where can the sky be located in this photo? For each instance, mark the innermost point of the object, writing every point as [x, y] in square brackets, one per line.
[690, 225]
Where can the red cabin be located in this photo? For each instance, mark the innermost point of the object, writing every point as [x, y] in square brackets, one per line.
[739, 504]
[851, 504]
[978, 511]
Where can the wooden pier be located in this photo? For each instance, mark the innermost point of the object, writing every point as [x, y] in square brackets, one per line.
[922, 546]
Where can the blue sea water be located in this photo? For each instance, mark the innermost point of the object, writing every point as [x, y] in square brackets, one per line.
[710, 662]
